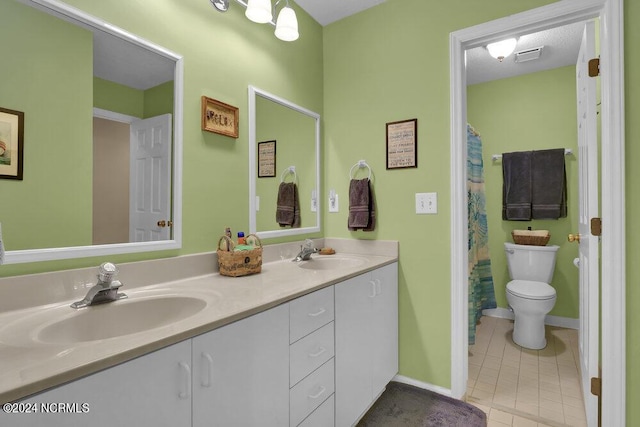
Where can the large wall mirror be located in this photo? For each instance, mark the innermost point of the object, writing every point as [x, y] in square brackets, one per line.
[284, 146]
[102, 157]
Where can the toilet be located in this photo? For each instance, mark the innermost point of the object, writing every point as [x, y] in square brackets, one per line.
[529, 292]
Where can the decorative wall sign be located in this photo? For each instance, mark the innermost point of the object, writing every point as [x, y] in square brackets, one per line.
[11, 143]
[402, 144]
[219, 117]
[266, 159]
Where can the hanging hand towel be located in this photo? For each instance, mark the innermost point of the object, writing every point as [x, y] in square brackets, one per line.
[288, 205]
[361, 205]
[516, 186]
[549, 189]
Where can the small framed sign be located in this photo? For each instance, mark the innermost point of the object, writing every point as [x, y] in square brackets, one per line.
[218, 117]
[402, 144]
[266, 159]
[11, 143]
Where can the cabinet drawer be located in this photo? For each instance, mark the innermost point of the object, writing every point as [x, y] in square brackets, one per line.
[323, 416]
[310, 312]
[310, 352]
[311, 392]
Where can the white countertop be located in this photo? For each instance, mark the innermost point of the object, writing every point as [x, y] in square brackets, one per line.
[30, 366]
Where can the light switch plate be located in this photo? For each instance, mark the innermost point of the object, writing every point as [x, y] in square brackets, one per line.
[426, 203]
[333, 201]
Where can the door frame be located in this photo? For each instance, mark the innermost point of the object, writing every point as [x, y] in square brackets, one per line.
[613, 343]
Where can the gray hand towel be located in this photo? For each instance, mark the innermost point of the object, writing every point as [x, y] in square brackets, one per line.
[549, 189]
[288, 205]
[361, 205]
[516, 187]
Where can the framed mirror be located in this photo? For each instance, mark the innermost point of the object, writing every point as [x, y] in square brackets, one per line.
[85, 191]
[284, 146]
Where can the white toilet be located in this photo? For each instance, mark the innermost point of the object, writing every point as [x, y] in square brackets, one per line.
[529, 293]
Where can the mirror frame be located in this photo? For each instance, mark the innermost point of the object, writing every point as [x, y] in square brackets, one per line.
[85, 20]
[253, 92]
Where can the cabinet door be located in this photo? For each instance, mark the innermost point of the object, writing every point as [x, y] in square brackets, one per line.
[241, 372]
[152, 390]
[384, 326]
[353, 300]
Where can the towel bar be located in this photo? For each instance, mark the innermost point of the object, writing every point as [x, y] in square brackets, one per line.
[494, 157]
[291, 170]
[359, 165]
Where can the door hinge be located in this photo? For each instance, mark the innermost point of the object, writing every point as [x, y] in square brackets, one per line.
[594, 67]
[596, 386]
[596, 226]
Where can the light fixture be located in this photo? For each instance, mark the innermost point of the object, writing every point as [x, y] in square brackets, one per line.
[502, 49]
[287, 24]
[261, 12]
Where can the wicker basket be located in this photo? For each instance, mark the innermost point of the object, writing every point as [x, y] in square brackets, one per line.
[239, 263]
[520, 239]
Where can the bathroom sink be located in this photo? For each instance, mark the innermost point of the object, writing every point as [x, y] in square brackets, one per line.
[331, 262]
[119, 318]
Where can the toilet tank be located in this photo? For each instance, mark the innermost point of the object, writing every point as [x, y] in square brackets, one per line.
[527, 262]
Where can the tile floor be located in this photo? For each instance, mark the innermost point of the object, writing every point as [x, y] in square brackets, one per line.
[525, 388]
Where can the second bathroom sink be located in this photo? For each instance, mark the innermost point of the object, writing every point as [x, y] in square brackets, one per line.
[331, 262]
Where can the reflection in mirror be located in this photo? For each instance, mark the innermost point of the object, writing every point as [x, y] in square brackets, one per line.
[76, 78]
[296, 132]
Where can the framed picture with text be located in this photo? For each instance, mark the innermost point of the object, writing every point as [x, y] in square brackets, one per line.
[266, 159]
[218, 117]
[402, 144]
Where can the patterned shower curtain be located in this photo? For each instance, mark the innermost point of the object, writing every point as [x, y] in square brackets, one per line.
[481, 292]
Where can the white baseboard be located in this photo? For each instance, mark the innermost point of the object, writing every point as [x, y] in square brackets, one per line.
[423, 385]
[561, 322]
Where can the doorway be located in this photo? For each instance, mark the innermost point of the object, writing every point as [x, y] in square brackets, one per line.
[613, 262]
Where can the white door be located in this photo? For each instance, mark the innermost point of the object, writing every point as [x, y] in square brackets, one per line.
[588, 208]
[150, 179]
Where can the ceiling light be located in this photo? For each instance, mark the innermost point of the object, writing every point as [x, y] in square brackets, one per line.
[259, 11]
[287, 24]
[502, 49]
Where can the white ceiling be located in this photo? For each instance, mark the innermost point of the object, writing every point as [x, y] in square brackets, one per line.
[328, 11]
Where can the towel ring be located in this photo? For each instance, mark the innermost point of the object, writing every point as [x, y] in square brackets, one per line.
[359, 165]
[291, 170]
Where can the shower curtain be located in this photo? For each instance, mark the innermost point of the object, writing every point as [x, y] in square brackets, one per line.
[481, 292]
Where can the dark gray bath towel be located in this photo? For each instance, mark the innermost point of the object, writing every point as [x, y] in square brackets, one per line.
[288, 205]
[516, 187]
[549, 189]
[361, 205]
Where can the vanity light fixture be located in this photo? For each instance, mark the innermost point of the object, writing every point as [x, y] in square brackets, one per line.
[261, 12]
[502, 49]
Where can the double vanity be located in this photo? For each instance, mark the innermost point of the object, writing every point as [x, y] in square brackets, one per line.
[309, 343]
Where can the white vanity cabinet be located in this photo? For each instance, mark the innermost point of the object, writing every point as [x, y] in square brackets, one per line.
[152, 390]
[241, 372]
[366, 333]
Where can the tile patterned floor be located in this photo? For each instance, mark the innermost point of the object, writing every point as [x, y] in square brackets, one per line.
[525, 388]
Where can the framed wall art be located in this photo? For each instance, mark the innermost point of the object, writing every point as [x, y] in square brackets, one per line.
[266, 159]
[218, 117]
[11, 143]
[402, 144]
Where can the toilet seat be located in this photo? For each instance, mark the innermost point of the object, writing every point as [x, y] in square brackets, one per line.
[531, 290]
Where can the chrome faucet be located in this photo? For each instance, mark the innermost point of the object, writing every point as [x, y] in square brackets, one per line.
[305, 251]
[106, 290]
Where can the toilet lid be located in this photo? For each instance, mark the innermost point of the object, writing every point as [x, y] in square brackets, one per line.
[531, 290]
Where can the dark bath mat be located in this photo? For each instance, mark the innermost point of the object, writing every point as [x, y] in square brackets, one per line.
[406, 405]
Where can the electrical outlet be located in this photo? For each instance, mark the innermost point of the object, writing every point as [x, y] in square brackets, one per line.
[426, 203]
[257, 203]
[314, 201]
[333, 201]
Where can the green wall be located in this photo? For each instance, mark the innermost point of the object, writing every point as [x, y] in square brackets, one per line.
[49, 207]
[122, 99]
[531, 112]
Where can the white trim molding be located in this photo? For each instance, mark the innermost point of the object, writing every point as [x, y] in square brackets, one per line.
[613, 262]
